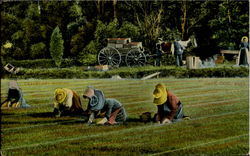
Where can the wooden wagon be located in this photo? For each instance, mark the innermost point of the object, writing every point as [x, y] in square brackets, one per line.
[122, 50]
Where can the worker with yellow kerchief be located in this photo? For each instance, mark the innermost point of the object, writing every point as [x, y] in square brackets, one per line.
[168, 105]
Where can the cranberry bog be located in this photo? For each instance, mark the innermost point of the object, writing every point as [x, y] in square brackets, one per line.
[219, 125]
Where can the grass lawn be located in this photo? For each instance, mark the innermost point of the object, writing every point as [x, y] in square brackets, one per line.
[219, 108]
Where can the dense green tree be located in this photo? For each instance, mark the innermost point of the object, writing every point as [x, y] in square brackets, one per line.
[56, 46]
[230, 24]
[26, 24]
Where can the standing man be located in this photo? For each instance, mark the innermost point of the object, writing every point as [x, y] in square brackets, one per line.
[66, 101]
[158, 52]
[169, 107]
[178, 51]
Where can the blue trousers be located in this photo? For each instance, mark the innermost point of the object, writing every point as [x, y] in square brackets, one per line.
[178, 58]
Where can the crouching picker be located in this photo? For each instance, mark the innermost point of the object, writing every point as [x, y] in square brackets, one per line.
[103, 110]
[67, 101]
[15, 97]
[169, 107]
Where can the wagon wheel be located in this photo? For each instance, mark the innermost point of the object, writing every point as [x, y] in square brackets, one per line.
[109, 56]
[135, 57]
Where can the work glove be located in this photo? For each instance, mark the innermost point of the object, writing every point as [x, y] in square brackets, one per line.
[101, 121]
[166, 121]
[91, 118]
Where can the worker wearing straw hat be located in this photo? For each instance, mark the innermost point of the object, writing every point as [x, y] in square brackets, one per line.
[107, 110]
[168, 105]
[66, 100]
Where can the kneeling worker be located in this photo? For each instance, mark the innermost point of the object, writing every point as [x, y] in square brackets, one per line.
[15, 97]
[109, 110]
[67, 101]
[168, 105]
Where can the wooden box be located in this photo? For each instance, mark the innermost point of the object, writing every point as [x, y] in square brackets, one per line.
[193, 62]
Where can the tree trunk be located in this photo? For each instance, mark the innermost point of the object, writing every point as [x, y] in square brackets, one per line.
[114, 6]
[184, 21]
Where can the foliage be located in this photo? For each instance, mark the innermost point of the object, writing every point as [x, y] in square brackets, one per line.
[232, 16]
[37, 50]
[216, 24]
[126, 72]
[150, 27]
[128, 29]
[88, 54]
[104, 31]
[56, 46]
[88, 59]
[41, 63]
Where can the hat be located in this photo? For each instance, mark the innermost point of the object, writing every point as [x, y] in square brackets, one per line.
[13, 85]
[244, 37]
[96, 98]
[160, 94]
[60, 95]
[89, 92]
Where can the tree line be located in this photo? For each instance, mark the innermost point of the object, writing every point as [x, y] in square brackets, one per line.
[27, 26]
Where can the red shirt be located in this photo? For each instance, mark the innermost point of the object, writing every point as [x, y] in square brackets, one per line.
[169, 108]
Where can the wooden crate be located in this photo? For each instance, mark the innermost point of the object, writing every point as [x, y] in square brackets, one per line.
[102, 67]
[193, 62]
[111, 45]
[133, 45]
[119, 40]
[117, 45]
[220, 60]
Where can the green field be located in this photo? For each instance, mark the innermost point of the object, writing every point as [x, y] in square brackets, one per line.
[219, 108]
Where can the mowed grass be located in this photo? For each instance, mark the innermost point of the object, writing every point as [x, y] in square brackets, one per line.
[219, 108]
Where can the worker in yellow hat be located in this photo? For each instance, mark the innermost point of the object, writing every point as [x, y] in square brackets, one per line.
[66, 101]
[169, 107]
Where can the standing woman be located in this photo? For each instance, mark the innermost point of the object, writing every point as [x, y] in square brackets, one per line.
[15, 97]
[169, 106]
[110, 110]
[244, 52]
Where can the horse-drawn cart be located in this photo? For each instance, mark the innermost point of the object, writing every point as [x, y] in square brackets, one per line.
[122, 50]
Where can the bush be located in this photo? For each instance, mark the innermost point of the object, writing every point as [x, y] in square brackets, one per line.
[56, 46]
[129, 30]
[41, 63]
[38, 50]
[88, 59]
[89, 54]
[126, 72]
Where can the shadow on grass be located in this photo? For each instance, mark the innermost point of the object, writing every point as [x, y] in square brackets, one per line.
[135, 122]
[52, 115]
[42, 115]
[6, 114]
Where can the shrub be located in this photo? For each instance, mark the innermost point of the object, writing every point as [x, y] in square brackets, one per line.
[88, 59]
[56, 46]
[38, 50]
[41, 63]
[129, 30]
[126, 72]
